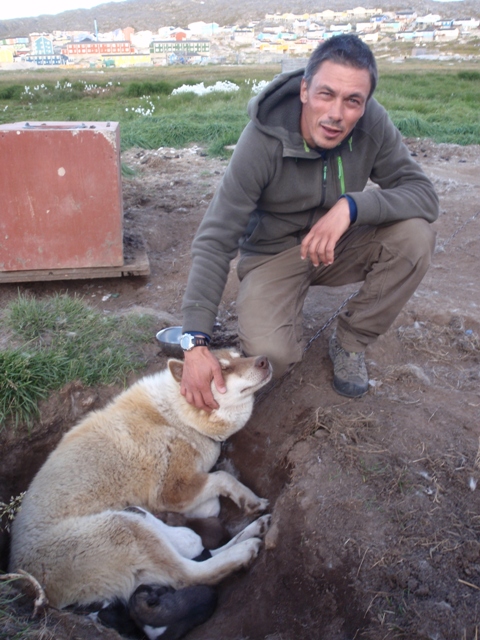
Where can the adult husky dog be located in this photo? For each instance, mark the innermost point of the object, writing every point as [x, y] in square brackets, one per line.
[85, 529]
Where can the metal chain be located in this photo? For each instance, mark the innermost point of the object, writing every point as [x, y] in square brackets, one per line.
[266, 392]
[456, 232]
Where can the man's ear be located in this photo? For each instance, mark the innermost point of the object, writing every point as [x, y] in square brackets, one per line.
[303, 91]
[176, 369]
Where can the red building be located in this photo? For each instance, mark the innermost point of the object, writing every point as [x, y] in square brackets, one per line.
[92, 48]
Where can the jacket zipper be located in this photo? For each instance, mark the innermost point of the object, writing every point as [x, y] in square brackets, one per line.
[341, 175]
[324, 182]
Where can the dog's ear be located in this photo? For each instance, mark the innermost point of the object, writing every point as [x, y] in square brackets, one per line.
[176, 369]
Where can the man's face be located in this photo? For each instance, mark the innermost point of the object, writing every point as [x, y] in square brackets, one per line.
[333, 103]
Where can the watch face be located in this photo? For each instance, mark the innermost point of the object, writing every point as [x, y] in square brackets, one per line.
[186, 341]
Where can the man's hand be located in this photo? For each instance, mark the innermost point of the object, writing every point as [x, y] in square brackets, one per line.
[320, 242]
[200, 368]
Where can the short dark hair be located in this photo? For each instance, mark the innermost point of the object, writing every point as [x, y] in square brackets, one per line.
[346, 49]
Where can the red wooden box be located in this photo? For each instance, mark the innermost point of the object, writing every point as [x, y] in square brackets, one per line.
[61, 197]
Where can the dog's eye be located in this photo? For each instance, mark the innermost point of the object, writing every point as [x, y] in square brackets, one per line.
[227, 368]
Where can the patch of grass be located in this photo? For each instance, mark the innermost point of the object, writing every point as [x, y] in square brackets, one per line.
[12, 625]
[424, 100]
[24, 381]
[147, 88]
[61, 339]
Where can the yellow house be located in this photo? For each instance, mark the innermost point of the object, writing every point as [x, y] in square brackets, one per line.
[6, 54]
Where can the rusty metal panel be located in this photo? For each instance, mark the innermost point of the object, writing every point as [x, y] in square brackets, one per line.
[61, 196]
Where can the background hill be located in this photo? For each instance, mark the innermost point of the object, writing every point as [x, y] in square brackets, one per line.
[152, 14]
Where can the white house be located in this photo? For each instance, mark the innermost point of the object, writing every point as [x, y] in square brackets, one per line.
[467, 24]
[446, 35]
[203, 29]
[369, 38]
[365, 27]
[141, 40]
[431, 18]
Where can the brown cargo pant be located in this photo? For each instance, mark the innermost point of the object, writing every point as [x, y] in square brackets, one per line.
[391, 260]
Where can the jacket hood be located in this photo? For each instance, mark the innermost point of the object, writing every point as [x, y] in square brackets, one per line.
[276, 112]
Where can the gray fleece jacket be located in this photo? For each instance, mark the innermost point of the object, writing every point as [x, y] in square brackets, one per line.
[275, 188]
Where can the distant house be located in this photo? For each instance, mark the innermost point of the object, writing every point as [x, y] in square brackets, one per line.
[315, 34]
[141, 39]
[446, 35]
[341, 28]
[406, 36]
[128, 33]
[91, 48]
[203, 29]
[379, 18]
[406, 16]
[301, 25]
[78, 36]
[390, 27]
[425, 35]
[365, 27]
[244, 35]
[179, 35]
[328, 15]
[6, 54]
[187, 47]
[431, 18]
[164, 33]
[41, 46]
[358, 12]
[467, 24]
[48, 60]
[369, 38]
[288, 35]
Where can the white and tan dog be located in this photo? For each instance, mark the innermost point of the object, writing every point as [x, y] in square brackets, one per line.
[85, 530]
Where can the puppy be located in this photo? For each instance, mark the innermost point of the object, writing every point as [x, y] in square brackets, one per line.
[85, 528]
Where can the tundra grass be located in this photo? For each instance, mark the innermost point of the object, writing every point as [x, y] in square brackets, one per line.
[438, 104]
[12, 625]
[60, 339]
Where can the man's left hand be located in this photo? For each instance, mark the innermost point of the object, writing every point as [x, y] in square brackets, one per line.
[320, 242]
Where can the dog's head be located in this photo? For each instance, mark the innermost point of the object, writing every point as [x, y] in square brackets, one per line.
[243, 377]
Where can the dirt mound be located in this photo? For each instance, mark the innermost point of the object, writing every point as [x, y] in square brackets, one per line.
[376, 509]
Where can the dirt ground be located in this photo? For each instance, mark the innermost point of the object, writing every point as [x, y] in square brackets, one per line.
[375, 504]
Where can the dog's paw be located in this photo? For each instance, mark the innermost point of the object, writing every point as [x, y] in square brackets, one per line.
[247, 550]
[256, 505]
[256, 529]
[263, 525]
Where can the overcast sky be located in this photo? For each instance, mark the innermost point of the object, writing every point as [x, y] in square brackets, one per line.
[29, 8]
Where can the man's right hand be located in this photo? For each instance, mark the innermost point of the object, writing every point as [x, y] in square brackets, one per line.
[199, 369]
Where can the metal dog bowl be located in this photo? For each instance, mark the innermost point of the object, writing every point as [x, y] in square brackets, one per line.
[169, 340]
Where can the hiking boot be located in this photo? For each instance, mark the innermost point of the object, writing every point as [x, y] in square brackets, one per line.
[350, 377]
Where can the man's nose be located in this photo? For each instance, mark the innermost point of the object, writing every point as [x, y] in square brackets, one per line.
[335, 111]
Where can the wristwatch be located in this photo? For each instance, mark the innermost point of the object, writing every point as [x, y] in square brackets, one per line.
[189, 340]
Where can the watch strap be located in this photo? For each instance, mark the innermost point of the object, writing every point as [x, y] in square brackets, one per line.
[195, 340]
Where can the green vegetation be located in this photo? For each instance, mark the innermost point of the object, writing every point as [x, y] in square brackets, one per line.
[439, 102]
[442, 106]
[60, 339]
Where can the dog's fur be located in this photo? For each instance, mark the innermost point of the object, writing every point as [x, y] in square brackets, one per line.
[77, 532]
